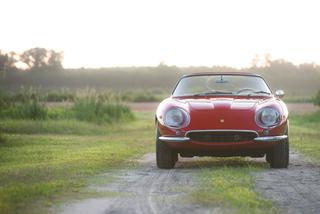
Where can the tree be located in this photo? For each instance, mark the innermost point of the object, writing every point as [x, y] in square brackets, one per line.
[55, 59]
[37, 58]
[7, 62]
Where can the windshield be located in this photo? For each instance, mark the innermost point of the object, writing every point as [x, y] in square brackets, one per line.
[204, 85]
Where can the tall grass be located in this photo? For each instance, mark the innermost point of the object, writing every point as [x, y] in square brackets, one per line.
[141, 96]
[28, 107]
[88, 106]
[305, 135]
[97, 110]
[70, 95]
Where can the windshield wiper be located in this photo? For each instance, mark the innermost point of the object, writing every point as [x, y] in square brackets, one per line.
[258, 92]
[212, 93]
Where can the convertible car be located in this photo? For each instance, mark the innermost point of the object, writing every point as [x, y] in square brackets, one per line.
[222, 114]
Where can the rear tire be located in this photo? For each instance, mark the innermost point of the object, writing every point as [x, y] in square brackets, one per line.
[166, 157]
[279, 157]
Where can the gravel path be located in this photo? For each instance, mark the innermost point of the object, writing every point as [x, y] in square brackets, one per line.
[145, 190]
[296, 189]
[148, 190]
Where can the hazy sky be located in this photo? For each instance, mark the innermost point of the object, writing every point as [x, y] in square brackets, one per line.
[99, 33]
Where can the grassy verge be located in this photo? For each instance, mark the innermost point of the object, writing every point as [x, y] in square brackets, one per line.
[305, 135]
[37, 167]
[298, 99]
[229, 183]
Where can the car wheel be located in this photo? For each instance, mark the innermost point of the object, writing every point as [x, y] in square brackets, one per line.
[279, 158]
[166, 157]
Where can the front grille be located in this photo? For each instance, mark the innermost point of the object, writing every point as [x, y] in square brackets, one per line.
[222, 136]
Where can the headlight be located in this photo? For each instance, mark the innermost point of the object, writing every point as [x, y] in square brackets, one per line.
[267, 117]
[176, 118]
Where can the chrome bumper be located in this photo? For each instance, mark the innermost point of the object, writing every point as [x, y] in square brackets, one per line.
[257, 139]
[271, 138]
[174, 139]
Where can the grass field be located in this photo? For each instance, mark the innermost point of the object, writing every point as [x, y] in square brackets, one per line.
[41, 159]
[37, 164]
[305, 135]
[229, 183]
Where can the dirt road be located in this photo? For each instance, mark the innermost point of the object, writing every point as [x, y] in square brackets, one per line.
[147, 189]
[296, 189]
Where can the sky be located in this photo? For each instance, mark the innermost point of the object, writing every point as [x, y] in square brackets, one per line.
[104, 33]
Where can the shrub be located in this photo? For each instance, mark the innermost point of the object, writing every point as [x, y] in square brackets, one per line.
[24, 105]
[33, 109]
[96, 109]
[316, 99]
[139, 96]
[89, 106]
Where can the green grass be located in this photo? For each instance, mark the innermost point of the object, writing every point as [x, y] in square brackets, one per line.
[298, 99]
[95, 109]
[71, 95]
[38, 167]
[229, 183]
[304, 134]
[64, 127]
[316, 99]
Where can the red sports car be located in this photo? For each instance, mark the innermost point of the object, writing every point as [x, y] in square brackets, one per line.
[222, 114]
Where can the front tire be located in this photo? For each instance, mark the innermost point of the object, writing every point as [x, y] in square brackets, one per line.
[166, 157]
[279, 157]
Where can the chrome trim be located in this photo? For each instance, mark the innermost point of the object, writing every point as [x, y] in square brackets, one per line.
[270, 138]
[174, 139]
[222, 130]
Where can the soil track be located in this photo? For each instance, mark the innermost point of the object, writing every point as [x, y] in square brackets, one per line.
[150, 190]
[296, 189]
[147, 190]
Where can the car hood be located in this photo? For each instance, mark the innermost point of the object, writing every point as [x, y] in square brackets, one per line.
[221, 103]
[222, 113]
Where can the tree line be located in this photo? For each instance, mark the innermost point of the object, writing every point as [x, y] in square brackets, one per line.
[44, 70]
[34, 59]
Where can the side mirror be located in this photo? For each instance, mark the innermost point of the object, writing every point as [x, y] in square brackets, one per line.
[279, 93]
